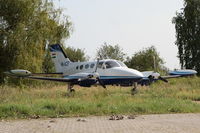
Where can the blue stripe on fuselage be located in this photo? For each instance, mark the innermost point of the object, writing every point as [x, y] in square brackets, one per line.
[110, 80]
[107, 77]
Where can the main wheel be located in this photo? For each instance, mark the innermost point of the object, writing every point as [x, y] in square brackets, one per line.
[72, 90]
[134, 91]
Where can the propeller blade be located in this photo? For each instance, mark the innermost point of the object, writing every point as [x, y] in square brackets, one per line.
[163, 79]
[96, 66]
[94, 75]
[151, 78]
[101, 82]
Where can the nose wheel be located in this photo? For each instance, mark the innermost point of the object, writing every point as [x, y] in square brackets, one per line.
[134, 90]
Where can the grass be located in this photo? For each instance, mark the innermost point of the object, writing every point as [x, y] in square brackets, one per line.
[51, 100]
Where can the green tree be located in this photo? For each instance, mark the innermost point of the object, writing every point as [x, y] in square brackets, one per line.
[147, 59]
[187, 24]
[110, 52]
[48, 65]
[26, 27]
[75, 54]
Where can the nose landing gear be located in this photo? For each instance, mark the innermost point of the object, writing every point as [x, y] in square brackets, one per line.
[70, 88]
[134, 90]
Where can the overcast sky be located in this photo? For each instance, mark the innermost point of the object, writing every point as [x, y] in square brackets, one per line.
[133, 24]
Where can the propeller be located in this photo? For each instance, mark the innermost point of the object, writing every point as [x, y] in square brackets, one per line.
[163, 79]
[156, 76]
[95, 70]
[101, 82]
[94, 75]
[151, 78]
[98, 77]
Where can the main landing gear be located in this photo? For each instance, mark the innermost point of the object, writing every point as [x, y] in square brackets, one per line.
[70, 88]
[134, 90]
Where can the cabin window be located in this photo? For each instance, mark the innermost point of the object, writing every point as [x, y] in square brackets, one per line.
[92, 66]
[87, 66]
[77, 67]
[81, 67]
[111, 64]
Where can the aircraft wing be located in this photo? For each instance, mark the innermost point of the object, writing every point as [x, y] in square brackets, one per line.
[47, 73]
[171, 76]
[52, 78]
[40, 76]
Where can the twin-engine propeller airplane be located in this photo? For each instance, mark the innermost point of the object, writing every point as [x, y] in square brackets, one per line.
[85, 74]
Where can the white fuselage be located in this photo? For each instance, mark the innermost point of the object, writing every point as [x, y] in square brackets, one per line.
[106, 68]
[109, 71]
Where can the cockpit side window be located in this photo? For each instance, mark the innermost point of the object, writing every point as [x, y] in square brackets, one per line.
[100, 64]
[111, 64]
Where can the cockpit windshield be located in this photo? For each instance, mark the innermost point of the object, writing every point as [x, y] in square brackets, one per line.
[111, 64]
[122, 64]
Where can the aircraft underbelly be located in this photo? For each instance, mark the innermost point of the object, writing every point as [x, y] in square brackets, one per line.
[119, 80]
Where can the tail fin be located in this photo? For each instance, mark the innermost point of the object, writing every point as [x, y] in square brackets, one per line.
[59, 58]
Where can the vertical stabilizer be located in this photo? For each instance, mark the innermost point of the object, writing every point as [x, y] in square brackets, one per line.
[59, 58]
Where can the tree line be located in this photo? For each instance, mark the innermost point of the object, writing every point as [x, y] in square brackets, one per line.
[27, 27]
[187, 25]
[147, 59]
